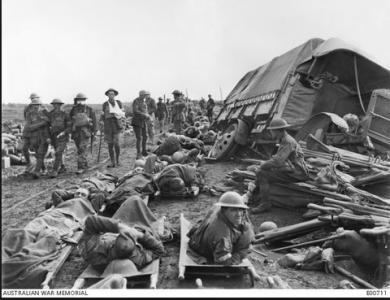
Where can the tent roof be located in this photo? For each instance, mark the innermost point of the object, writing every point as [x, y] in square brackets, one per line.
[335, 53]
[270, 77]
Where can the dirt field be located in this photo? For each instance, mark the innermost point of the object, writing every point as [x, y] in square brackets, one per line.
[17, 189]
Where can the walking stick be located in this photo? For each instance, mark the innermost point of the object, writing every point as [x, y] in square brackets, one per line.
[100, 146]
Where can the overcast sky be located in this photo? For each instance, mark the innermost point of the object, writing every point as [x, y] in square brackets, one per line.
[58, 48]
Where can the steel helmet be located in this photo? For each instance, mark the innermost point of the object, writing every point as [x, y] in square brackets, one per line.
[278, 124]
[268, 225]
[36, 101]
[80, 96]
[56, 101]
[143, 93]
[232, 199]
[33, 95]
[124, 267]
[139, 163]
[176, 92]
[178, 156]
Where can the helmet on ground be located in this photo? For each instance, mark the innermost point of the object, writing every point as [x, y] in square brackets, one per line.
[124, 267]
[111, 90]
[139, 163]
[56, 101]
[268, 225]
[278, 124]
[33, 95]
[176, 92]
[178, 156]
[80, 96]
[36, 101]
[232, 199]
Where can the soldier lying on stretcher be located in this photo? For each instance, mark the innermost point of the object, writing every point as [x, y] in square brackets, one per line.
[122, 236]
[225, 235]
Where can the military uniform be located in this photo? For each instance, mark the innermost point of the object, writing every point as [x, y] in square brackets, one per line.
[59, 123]
[210, 108]
[26, 137]
[287, 165]
[112, 129]
[139, 124]
[219, 241]
[36, 133]
[178, 117]
[151, 106]
[161, 114]
[84, 125]
[100, 233]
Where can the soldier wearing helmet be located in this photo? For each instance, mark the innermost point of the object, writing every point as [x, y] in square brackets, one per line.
[178, 107]
[26, 138]
[60, 127]
[127, 235]
[178, 179]
[84, 127]
[225, 234]
[161, 114]
[286, 165]
[36, 133]
[139, 123]
[151, 108]
[210, 108]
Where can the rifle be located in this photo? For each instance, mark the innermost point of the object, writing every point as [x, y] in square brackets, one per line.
[100, 146]
[92, 143]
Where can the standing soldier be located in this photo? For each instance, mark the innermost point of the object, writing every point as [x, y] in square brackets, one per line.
[169, 109]
[26, 138]
[37, 132]
[138, 122]
[210, 108]
[202, 105]
[84, 128]
[178, 107]
[151, 106]
[60, 127]
[161, 113]
[112, 117]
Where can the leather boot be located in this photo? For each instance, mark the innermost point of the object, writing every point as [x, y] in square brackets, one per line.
[117, 152]
[112, 157]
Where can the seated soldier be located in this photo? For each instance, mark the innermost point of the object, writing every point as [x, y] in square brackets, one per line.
[287, 165]
[225, 235]
[127, 234]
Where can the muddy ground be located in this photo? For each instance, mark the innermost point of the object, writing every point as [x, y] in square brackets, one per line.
[16, 189]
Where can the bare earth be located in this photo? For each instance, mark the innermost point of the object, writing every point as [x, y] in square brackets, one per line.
[17, 189]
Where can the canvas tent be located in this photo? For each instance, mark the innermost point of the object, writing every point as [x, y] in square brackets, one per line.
[317, 76]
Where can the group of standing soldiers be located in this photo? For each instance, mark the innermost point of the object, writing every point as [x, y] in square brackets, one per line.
[44, 128]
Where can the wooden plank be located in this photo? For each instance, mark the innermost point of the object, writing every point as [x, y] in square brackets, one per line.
[354, 278]
[359, 208]
[57, 264]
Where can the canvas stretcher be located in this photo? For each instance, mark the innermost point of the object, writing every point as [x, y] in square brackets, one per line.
[189, 268]
[146, 276]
